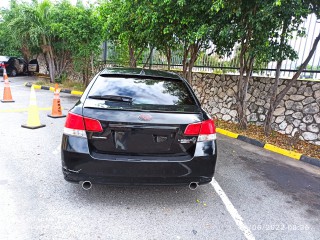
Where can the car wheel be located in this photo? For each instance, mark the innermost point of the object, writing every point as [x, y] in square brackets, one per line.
[13, 73]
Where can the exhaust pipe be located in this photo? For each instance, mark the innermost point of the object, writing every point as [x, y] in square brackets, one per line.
[193, 185]
[86, 185]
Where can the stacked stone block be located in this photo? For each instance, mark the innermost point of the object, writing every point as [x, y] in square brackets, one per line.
[299, 111]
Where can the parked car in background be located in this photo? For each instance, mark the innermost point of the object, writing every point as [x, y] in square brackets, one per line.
[33, 66]
[13, 65]
[138, 127]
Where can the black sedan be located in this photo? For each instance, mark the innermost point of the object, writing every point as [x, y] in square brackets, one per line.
[138, 127]
[13, 65]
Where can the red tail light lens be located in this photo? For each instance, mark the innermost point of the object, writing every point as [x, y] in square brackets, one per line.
[208, 127]
[74, 121]
[193, 129]
[92, 125]
[205, 127]
[77, 125]
[206, 130]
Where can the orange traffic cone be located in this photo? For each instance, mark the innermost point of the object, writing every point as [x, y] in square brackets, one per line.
[56, 111]
[5, 75]
[7, 97]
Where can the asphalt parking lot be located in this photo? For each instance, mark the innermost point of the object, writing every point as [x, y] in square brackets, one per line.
[256, 194]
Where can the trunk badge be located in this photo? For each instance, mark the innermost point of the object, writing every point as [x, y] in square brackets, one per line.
[145, 117]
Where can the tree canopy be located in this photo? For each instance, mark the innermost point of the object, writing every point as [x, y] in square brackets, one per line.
[71, 35]
[62, 32]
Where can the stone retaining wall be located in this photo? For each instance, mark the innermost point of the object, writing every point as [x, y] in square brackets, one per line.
[298, 111]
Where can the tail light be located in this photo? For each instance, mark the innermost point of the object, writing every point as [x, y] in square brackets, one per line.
[206, 130]
[77, 125]
[4, 65]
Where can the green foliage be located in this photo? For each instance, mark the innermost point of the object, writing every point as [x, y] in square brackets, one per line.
[166, 25]
[218, 71]
[288, 17]
[8, 44]
[184, 28]
[63, 32]
[125, 23]
[310, 67]
[79, 31]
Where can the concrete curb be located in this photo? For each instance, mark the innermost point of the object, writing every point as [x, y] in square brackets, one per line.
[270, 147]
[29, 84]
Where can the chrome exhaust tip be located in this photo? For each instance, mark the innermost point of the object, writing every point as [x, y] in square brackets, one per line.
[193, 185]
[86, 185]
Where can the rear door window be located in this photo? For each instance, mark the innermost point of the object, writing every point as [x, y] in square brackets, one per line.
[142, 94]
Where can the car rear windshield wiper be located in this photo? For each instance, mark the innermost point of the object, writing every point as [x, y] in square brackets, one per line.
[117, 98]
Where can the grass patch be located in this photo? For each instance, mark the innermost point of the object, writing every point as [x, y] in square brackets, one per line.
[275, 138]
[72, 85]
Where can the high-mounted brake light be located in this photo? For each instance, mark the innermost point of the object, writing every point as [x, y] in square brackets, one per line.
[77, 125]
[206, 130]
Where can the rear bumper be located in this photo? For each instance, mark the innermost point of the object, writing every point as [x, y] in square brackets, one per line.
[78, 165]
[120, 180]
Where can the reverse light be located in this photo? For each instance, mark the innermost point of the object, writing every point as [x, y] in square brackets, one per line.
[206, 130]
[77, 125]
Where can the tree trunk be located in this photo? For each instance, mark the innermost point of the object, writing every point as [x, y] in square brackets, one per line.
[268, 121]
[297, 74]
[92, 63]
[47, 49]
[26, 53]
[168, 55]
[185, 61]
[133, 60]
[87, 71]
[148, 59]
[244, 83]
[194, 49]
[275, 101]
[52, 69]
[241, 111]
[274, 89]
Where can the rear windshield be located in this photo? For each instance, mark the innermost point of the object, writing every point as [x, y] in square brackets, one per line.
[142, 94]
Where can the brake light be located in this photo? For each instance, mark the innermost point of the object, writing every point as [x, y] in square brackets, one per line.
[75, 122]
[193, 129]
[206, 130]
[92, 125]
[208, 127]
[77, 125]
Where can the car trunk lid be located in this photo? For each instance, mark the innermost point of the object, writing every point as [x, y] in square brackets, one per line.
[134, 133]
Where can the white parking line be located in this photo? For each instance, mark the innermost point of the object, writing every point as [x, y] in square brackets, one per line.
[233, 212]
[57, 150]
